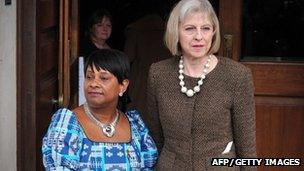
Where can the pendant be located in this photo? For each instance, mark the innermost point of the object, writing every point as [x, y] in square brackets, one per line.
[108, 130]
[190, 93]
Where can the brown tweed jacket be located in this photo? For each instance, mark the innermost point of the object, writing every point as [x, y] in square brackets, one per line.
[191, 131]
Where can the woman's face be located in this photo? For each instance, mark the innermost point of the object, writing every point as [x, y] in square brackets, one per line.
[195, 35]
[103, 29]
[101, 88]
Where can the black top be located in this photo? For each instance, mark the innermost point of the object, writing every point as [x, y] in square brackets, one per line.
[86, 48]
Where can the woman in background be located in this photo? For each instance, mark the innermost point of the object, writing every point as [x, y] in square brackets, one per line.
[98, 31]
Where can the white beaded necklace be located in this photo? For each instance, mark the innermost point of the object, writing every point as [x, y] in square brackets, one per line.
[196, 89]
[107, 129]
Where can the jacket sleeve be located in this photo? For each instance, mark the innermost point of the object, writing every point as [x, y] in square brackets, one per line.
[243, 117]
[153, 114]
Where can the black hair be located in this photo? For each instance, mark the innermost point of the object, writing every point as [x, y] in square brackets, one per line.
[97, 17]
[117, 63]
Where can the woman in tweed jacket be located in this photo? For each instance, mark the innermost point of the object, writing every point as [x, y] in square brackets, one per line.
[201, 106]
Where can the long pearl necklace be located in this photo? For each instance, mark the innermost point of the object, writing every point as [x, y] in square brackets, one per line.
[196, 89]
[107, 129]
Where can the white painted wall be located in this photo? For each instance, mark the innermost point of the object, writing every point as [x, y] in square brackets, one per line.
[8, 113]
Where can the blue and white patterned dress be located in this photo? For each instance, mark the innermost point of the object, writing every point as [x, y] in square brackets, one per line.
[66, 147]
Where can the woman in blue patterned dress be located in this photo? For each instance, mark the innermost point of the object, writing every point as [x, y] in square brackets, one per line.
[96, 135]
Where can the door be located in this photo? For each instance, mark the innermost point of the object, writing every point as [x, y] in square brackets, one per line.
[278, 71]
[38, 40]
[45, 56]
[47, 65]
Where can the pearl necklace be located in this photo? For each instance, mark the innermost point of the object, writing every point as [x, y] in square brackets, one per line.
[107, 129]
[196, 89]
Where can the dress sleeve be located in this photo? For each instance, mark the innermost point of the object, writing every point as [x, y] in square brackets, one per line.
[243, 117]
[148, 149]
[153, 114]
[62, 143]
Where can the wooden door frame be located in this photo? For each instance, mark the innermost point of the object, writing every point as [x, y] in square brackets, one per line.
[26, 77]
[68, 53]
[231, 24]
[26, 84]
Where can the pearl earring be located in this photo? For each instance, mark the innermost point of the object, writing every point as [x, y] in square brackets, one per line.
[120, 94]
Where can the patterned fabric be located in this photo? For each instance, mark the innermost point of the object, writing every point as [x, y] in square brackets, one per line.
[66, 147]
